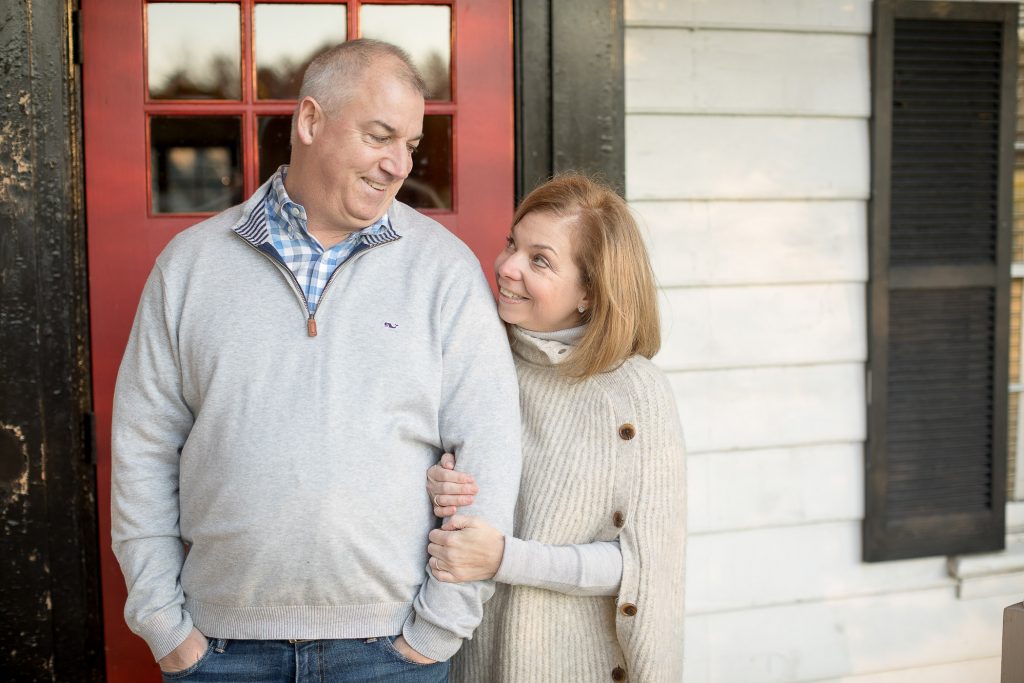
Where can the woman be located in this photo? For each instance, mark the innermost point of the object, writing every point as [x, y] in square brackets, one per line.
[590, 587]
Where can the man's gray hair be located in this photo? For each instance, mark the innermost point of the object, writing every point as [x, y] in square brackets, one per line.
[333, 77]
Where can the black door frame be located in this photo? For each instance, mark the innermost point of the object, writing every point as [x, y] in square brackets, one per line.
[49, 585]
[570, 97]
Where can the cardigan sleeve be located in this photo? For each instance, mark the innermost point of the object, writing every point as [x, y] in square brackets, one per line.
[649, 616]
[586, 569]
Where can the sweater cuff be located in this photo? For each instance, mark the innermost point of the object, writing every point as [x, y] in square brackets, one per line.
[514, 561]
[429, 639]
[166, 630]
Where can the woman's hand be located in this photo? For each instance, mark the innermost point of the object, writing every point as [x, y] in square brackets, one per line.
[448, 489]
[466, 548]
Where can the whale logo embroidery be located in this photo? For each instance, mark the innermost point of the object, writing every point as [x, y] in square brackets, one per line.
[391, 325]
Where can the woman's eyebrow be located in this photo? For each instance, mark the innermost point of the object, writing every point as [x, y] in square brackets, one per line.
[545, 246]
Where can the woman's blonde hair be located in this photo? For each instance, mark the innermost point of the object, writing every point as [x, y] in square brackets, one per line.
[615, 273]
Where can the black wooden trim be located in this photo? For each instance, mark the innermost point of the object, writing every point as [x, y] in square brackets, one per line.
[570, 96]
[534, 162]
[1004, 257]
[50, 618]
[950, 11]
[932, 277]
[886, 537]
[875, 476]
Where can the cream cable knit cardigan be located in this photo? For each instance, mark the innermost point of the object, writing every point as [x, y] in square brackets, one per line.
[602, 459]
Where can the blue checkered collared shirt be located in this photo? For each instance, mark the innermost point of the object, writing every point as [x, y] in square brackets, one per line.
[299, 250]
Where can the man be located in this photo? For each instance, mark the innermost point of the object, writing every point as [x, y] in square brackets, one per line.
[296, 364]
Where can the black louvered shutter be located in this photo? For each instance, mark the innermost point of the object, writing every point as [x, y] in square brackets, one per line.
[942, 142]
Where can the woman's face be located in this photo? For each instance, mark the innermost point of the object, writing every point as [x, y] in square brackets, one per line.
[538, 281]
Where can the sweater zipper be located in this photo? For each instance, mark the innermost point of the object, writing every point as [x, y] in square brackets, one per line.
[297, 288]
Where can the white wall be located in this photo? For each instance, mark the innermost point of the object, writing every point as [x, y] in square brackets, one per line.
[748, 162]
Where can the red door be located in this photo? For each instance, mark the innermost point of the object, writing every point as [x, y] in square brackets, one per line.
[186, 112]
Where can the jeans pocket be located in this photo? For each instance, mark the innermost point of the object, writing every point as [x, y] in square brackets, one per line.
[388, 643]
[184, 673]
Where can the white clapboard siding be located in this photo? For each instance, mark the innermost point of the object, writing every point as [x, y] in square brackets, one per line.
[726, 243]
[745, 157]
[830, 639]
[762, 567]
[770, 407]
[972, 671]
[995, 584]
[784, 486]
[985, 564]
[1015, 515]
[722, 327]
[825, 16]
[681, 70]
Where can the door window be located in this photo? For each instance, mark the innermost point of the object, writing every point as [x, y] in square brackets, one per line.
[245, 61]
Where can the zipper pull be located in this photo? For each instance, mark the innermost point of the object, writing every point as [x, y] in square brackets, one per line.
[311, 326]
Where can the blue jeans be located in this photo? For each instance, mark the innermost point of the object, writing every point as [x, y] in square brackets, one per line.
[310, 661]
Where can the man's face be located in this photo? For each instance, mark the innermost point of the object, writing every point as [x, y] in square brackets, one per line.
[363, 151]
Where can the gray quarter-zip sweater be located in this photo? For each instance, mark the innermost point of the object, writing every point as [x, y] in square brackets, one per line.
[292, 466]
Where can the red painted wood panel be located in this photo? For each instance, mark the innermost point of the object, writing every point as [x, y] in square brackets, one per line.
[124, 238]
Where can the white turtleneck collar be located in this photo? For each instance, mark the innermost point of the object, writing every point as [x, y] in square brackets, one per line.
[569, 337]
[545, 348]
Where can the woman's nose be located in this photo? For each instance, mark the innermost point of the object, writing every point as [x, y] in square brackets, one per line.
[508, 268]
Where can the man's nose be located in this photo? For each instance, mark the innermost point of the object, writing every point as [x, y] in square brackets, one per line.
[397, 162]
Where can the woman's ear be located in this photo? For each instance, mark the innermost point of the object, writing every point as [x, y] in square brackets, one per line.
[584, 302]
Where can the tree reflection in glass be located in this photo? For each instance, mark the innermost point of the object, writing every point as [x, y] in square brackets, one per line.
[273, 138]
[429, 185]
[193, 51]
[195, 163]
[286, 39]
[424, 31]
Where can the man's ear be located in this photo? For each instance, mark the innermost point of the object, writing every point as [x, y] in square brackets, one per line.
[309, 121]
